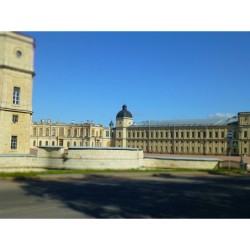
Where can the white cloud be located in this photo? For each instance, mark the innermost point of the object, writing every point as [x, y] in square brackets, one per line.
[220, 115]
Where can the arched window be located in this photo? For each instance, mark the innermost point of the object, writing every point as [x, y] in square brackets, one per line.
[74, 143]
[53, 143]
[34, 143]
[40, 143]
[46, 143]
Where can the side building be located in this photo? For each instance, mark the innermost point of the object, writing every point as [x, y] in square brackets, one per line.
[88, 134]
[191, 136]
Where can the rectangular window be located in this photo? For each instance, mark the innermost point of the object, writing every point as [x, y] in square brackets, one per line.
[166, 134]
[216, 134]
[13, 142]
[245, 134]
[193, 136]
[187, 134]
[222, 134]
[16, 95]
[15, 118]
[210, 134]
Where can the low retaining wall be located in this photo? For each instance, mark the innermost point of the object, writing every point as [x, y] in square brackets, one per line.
[177, 162]
[100, 158]
[77, 158]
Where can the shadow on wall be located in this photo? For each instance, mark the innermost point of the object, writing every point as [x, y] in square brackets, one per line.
[159, 196]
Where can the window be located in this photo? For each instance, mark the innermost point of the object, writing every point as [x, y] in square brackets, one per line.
[15, 118]
[40, 132]
[75, 132]
[13, 142]
[34, 143]
[46, 143]
[210, 134]
[182, 134]
[199, 134]
[222, 134]
[53, 143]
[216, 134]
[40, 143]
[34, 131]
[16, 95]
[53, 133]
[245, 134]
[107, 134]
[187, 134]
[47, 131]
[61, 132]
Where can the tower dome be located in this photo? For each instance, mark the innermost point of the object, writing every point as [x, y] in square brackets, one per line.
[124, 113]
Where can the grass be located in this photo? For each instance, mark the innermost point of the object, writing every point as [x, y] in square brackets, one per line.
[32, 174]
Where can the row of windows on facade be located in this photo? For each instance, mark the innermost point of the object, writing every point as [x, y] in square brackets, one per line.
[181, 134]
[75, 144]
[75, 132]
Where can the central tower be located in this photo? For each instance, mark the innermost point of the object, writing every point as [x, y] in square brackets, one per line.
[124, 119]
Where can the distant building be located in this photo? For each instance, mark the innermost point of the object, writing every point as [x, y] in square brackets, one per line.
[193, 136]
[16, 84]
[88, 134]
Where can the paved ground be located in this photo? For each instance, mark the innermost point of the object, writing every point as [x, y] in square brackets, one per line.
[129, 195]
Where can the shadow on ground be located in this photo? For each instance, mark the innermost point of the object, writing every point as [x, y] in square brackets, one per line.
[156, 196]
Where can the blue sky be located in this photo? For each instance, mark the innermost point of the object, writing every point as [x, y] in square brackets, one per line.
[159, 75]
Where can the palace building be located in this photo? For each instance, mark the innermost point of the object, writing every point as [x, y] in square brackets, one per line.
[191, 136]
[19, 135]
[88, 134]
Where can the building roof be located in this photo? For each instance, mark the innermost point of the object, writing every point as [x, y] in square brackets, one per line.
[189, 122]
[124, 113]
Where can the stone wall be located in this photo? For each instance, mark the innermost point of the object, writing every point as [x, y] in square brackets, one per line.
[177, 162]
[99, 158]
[76, 158]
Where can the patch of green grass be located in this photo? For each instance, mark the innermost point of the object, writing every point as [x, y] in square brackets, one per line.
[32, 174]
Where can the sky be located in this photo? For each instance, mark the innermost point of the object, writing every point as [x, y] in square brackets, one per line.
[84, 76]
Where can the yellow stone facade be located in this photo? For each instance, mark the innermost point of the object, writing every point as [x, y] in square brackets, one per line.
[47, 133]
[16, 84]
[207, 137]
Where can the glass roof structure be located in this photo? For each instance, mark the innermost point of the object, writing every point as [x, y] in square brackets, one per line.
[189, 122]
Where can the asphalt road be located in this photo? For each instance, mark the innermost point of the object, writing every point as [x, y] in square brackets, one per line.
[130, 195]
